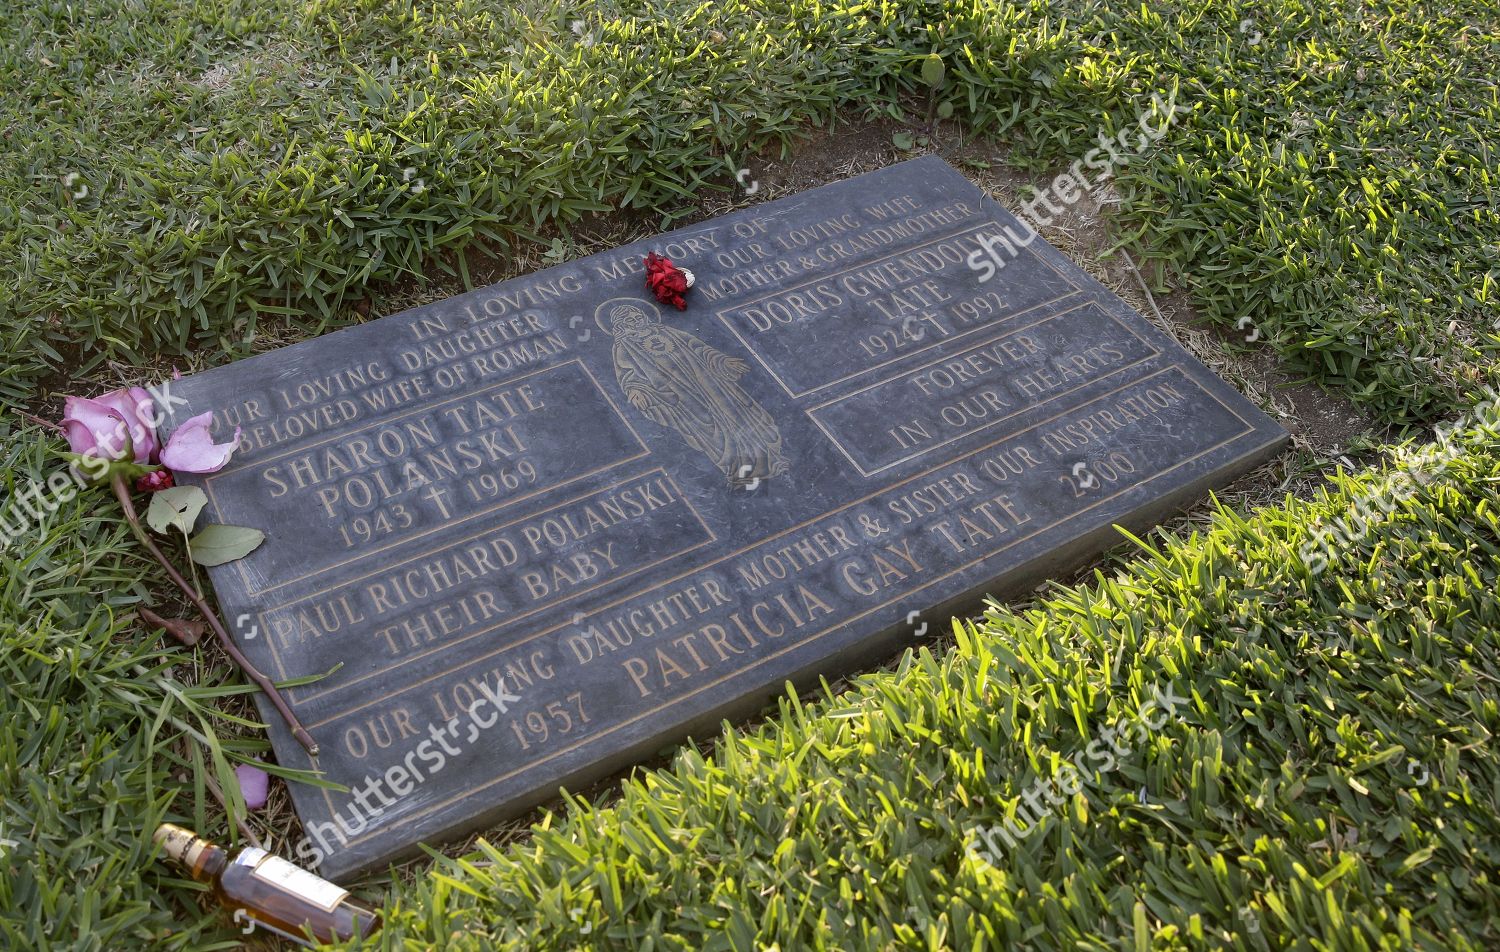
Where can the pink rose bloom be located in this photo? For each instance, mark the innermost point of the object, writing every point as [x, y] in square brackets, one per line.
[100, 426]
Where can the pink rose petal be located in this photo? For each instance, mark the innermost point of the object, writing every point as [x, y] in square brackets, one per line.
[255, 785]
[191, 449]
[80, 437]
[139, 412]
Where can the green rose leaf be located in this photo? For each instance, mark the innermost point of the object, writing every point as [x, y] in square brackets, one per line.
[932, 71]
[217, 544]
[178, 506]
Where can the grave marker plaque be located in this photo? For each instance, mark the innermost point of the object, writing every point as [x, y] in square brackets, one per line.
[548, 527]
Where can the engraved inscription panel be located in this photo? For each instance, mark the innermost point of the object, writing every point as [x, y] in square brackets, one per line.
[980, 386]
[861, 314]
[474, 586]
[425, 470]
[538, 531]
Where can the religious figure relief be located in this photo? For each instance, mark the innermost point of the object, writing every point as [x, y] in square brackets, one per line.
[678, 381]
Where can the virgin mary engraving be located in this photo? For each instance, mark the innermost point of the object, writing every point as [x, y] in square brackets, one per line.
[678, 381]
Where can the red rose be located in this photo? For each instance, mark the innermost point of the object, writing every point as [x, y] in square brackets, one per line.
[667, 281]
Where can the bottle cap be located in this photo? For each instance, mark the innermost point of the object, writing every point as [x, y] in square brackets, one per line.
[184, 846]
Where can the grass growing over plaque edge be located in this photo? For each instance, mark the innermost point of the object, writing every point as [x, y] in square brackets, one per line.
[1329, 779]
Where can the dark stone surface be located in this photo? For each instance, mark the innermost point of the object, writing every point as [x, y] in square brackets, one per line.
[628, 530]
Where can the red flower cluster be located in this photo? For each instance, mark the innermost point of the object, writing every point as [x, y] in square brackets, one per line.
[666, 281]
[154, 482]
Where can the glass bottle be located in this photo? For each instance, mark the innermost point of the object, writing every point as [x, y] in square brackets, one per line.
[267, 892]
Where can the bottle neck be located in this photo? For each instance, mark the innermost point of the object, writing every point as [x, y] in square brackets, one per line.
[201, 859]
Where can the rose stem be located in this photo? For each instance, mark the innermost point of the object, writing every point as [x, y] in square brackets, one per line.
[122, 493]
[48, 424]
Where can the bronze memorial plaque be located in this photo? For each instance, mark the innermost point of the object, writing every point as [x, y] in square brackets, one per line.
[550, 526]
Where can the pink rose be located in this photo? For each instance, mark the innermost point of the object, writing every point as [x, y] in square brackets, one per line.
[113, 426]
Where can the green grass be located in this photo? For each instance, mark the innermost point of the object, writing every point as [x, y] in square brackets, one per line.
[105, 731]
[1281, 807]
[1333, 182]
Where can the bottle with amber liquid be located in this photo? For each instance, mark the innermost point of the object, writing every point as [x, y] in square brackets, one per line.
[270, 893]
